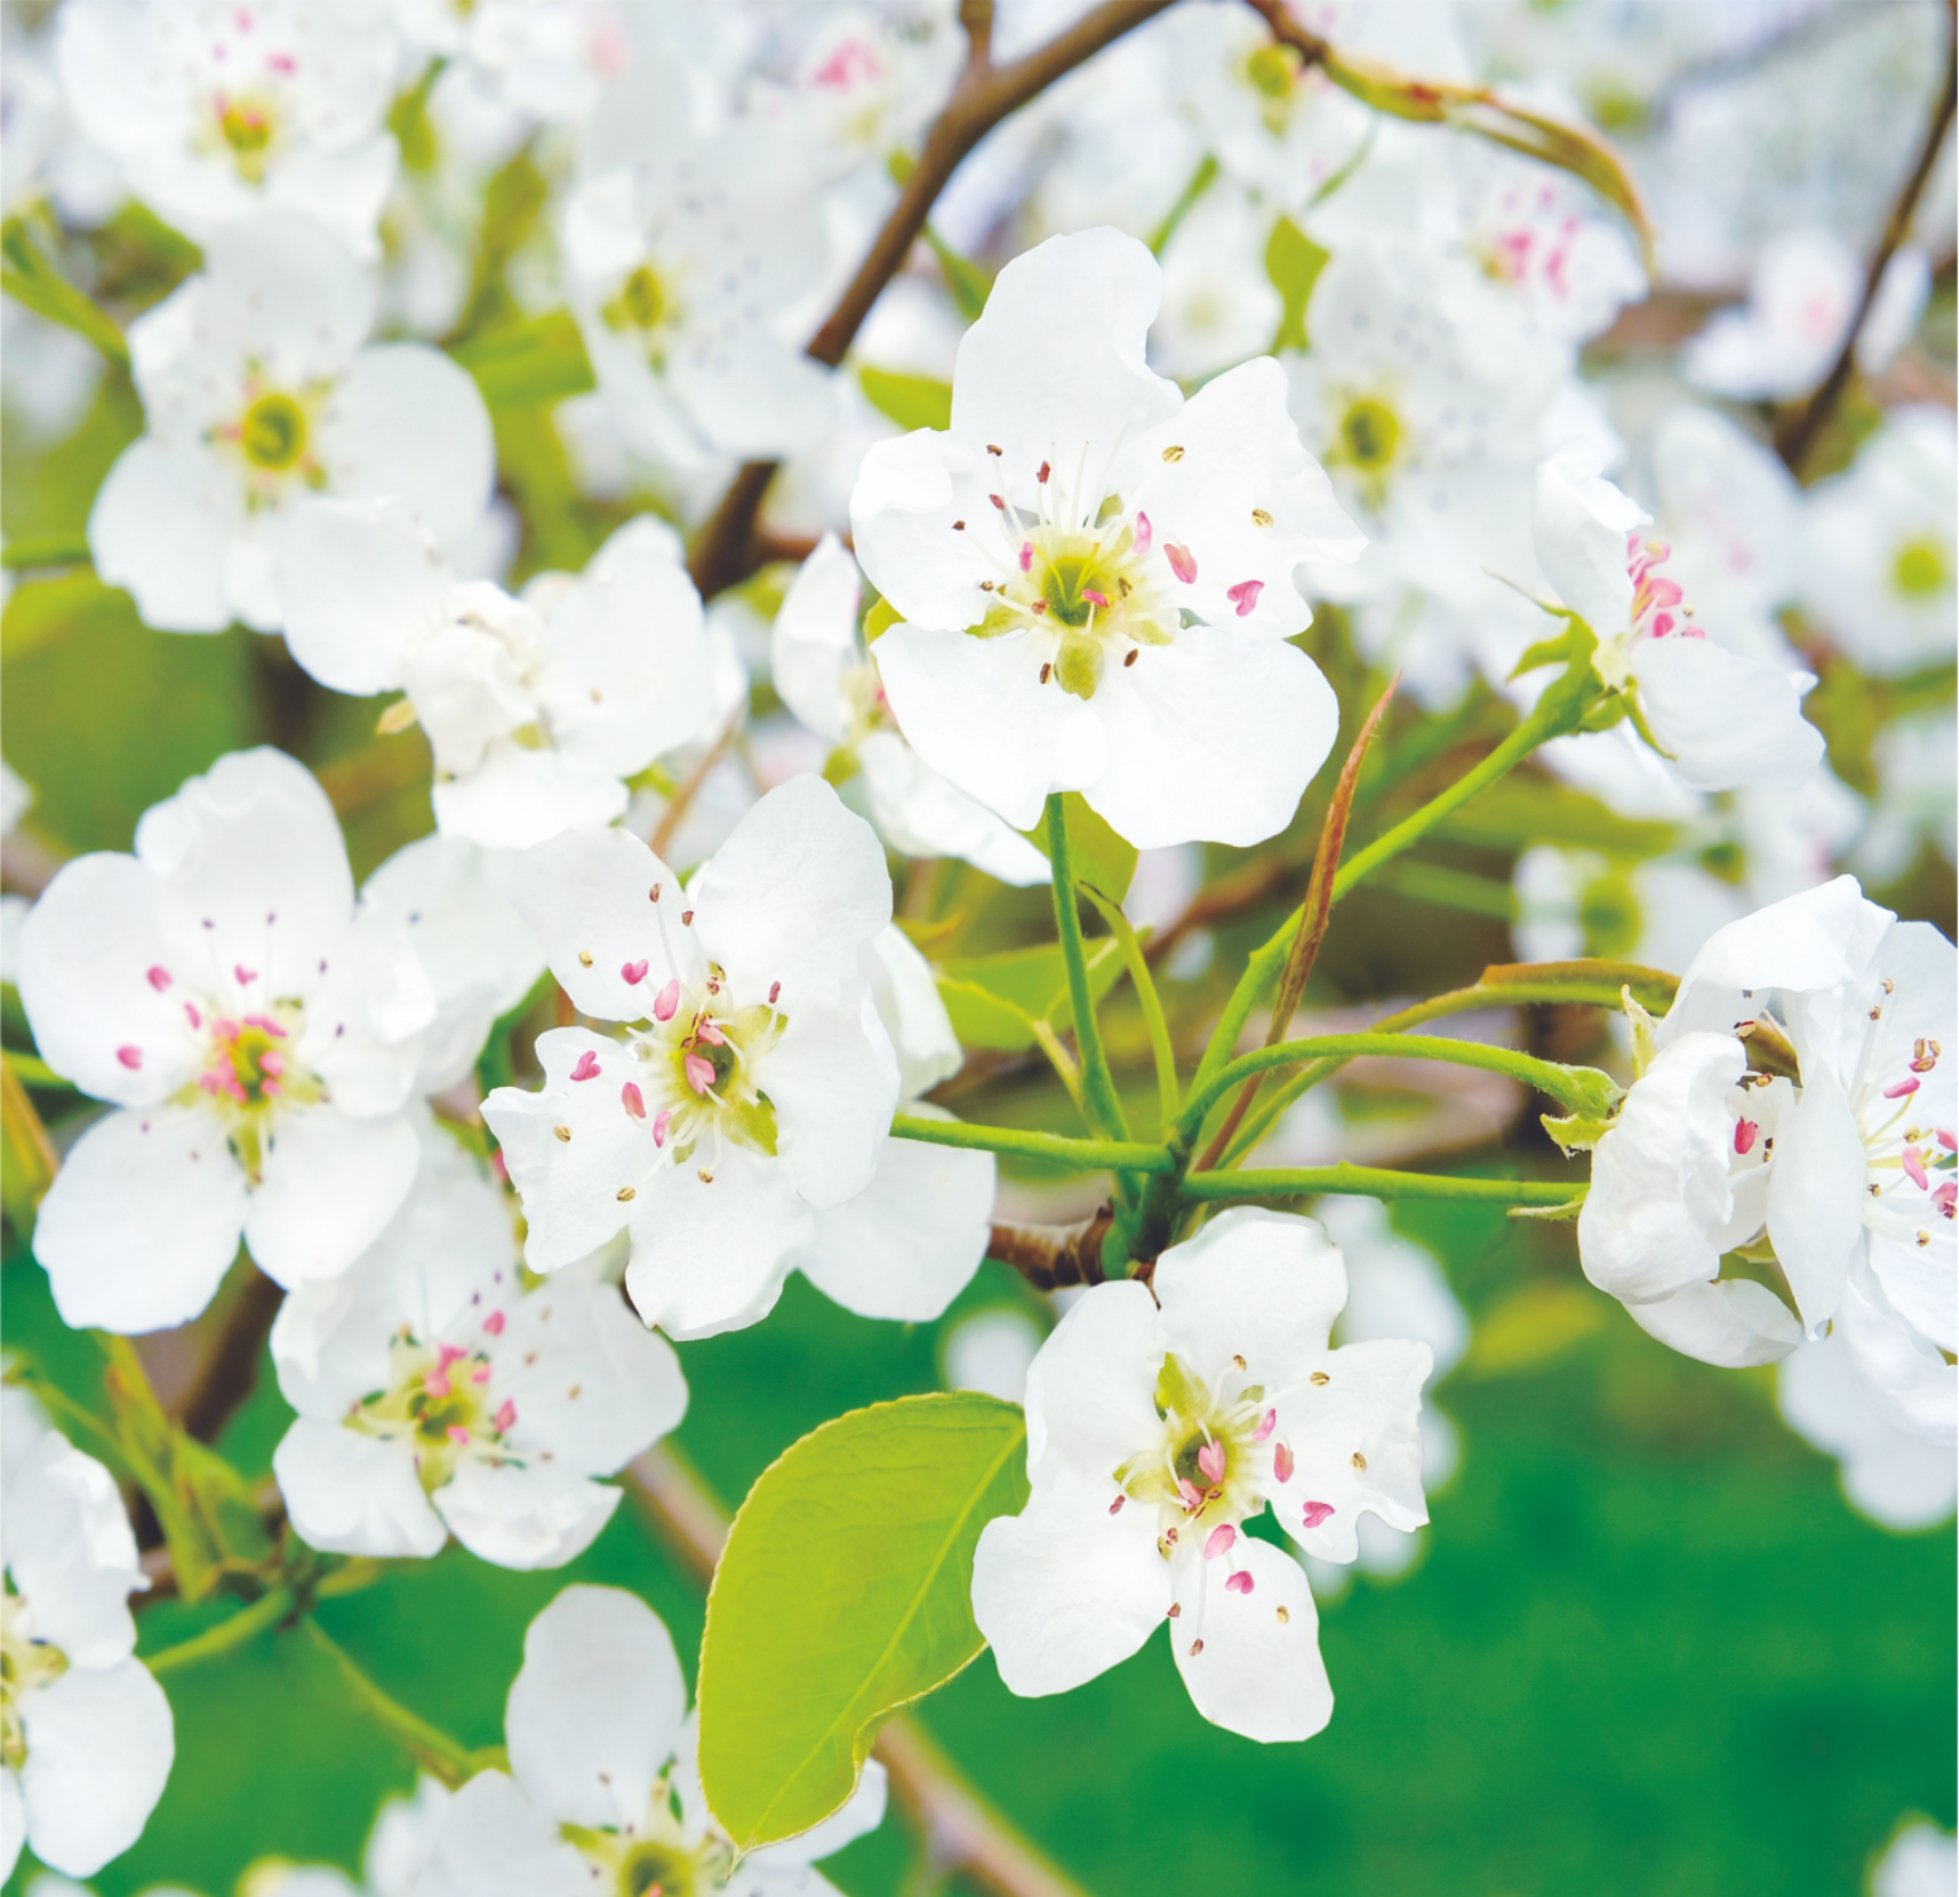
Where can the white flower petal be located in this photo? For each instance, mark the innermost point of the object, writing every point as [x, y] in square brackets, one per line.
[349, 1493]
[1252, 1660]
[330, 1185]
[833, 1080]
[524, 1518]
[596, 1707]
[1732, 1323]
[100, 1743]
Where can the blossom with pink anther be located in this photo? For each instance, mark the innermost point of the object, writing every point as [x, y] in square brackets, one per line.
[1161, 1420]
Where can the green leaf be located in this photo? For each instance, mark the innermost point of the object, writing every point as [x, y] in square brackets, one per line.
[996, 1000]
[34, 280]
[912, 401]
[1293, 262]
[843, 1594]
[1104, 862]
[543, 360]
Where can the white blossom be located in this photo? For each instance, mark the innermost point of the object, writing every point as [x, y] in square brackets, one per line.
[436, 1395]
[87, 1738]
[603, 1783]
[1096, 580]
[1160, 1419]
[260, 390]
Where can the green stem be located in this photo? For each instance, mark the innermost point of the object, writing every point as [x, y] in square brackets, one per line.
[1579, 1089]
[1055, 1149]
[448, 1759]
[1559, 712]
[1151, 1003]
[54, 550]
[34, 280]
[1098, 1084]
[267, 1611]
[1373, 1182]
[37, 1073]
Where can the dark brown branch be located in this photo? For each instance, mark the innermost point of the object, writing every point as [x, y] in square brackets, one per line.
[228, 1375]
[983, 95]
[1051, 1257]
[1799, 430]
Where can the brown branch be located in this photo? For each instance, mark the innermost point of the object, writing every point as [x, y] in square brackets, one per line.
[1313, 916]
[962, 1832]
[229, 1372]
[983, 95]
[683, 798]
[1051, 1257]
[1799, 429]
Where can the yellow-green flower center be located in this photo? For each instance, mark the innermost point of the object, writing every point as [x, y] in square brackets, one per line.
[1205, 1470]
[441, 1401]
[653, 1858]
[1370, 435]
[273, 432]
[247, 127]
[1921, 569]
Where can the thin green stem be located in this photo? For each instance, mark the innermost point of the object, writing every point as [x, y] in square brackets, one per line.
[1054, 1149]
[1559, 712]
[1373, 1182]
[434, 1750]
[1151, 1003]
[34, 280]
[267, 1611]
[37, 1073]
[1579, 1089]
[1098, 1083]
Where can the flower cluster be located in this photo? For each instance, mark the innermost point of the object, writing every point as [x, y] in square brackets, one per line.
[810, 620]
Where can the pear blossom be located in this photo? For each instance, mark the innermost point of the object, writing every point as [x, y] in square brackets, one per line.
[218, 110]
[538, 708]
[1803, 296]
[680, 267]
[1160, 1419]
[831, 684]
[1881, 552]
[255, 1035]
[437, 1396]
[260, 390]
[86, 1737]
[603, 1789]
[1844, 1177]
[1095, 579]
[1723, 717]
[1922, 1861]
[743, 1080]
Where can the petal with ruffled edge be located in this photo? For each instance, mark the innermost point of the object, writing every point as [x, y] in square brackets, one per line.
[592, 1385]
[408, 424]
[360, 587]
[976, 711]
[1732, 1323]
[524, 1518]
[1211, 739]
[712, 1257]
[142, 1221]
[833, 1080]
[330, 1185]
[909, 1243]
[632, 672]
[590, 899]
[596, 1708]
[161, 526]
[577, 1158]
[100, 983]
[1580, 526]
[920, 813]
[100, 1742]
[1055, 361]
[348, 1493]
[1916, 1389]
[1251, 1655]
[1252, 1283]
[795, 895]
[920, 522]
[1725, 719]
[1089, 1389]
[1065, 1590]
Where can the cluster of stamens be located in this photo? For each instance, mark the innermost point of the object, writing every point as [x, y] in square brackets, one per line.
[1914, 1165]
[1657, 609]
[273, 435]
[439, 1399]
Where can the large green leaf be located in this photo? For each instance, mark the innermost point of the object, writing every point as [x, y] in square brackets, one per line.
[999, 1001]
[843, 1594]
[912, 401]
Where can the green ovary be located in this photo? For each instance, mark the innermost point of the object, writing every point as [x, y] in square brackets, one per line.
[1370, 435]
[654, 1861]
[728, 1105]
[1921, 568]
[273, 432]
[436, 1403]
[247, 127]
